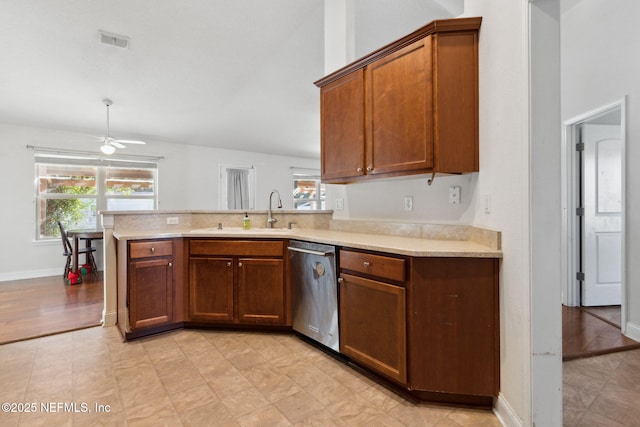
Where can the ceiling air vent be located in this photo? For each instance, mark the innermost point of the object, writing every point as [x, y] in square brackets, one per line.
[114, 39]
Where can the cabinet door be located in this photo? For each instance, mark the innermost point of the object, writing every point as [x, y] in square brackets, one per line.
[150, 292]
[373, 325]
[399, 111]
[261, 291]
[342, 127]
[211, 289]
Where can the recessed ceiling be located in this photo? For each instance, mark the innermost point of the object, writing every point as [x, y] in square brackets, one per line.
[228, 74]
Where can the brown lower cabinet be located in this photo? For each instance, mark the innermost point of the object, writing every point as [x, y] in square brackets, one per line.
[453, 326]
[239, 282]
[429, 325]
[150, 287]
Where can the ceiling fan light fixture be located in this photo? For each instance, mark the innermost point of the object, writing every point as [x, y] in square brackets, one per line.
[109, 143]
[107, 148]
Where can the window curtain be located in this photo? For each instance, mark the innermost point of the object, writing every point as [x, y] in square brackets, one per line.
[237, 189]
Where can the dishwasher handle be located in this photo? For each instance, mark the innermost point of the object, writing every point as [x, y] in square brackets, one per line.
[312, 252]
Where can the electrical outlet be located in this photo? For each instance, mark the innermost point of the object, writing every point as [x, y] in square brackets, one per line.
[339, 204]
[487, 204]
[408, 203]
[173, 220]
[454, 195]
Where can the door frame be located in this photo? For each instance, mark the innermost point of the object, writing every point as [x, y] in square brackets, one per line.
[570, 245]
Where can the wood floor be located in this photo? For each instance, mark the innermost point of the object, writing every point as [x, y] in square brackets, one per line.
[590, 332]
[43, 306]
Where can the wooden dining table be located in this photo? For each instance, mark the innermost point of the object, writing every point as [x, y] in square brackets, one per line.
[88, 235]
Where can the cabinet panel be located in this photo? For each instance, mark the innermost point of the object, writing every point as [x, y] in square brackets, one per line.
[261, 297]
[150, 293]
[342, 127]
[456, 101]
[373, 325]
[454, 337]
[211, 289]
[399, 111]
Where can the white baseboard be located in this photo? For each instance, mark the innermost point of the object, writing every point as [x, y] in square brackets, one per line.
[31, 274]
[109, 318]
[505, 413]
[633, 331]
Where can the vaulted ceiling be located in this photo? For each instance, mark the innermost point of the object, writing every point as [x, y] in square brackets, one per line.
[232, 74]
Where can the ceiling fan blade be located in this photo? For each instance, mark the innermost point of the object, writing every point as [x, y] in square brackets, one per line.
[117, 144]
[130, 141]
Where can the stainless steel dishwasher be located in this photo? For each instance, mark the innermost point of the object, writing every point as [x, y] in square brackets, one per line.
[315, 292]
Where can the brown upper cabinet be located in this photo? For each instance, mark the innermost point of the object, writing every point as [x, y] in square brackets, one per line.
[410, 107]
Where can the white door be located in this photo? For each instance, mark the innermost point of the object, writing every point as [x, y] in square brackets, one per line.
[602, 225]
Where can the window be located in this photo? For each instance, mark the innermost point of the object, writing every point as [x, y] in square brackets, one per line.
[308, 191]
[130, 189]
[237, 187]
[72, 189]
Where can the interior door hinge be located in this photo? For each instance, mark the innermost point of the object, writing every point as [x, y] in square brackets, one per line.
[580, 275]
[580, 211]
[580, 146]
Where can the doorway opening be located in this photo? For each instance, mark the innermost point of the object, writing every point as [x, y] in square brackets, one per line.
[595, 214]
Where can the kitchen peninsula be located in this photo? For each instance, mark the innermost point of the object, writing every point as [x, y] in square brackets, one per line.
[424, 320]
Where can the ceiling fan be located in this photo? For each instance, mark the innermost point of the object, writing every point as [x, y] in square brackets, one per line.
[109, 143]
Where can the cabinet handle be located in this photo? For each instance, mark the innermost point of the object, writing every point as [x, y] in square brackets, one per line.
[340, 280]
[359, 170]
[170, 264]
[369, 168]
[153, 250]
[228, 264]
[239, 264]
[366, 264]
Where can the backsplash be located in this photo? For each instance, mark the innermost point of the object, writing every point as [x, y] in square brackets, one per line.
[490, 238]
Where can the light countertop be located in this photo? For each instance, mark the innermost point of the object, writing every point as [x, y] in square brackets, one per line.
[416, 247]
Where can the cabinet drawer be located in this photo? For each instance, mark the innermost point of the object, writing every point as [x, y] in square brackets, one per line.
[150, 249]
[375, 265]
[237, 247]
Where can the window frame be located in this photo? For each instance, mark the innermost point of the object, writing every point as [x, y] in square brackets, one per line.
[44, 156]
[309, 175]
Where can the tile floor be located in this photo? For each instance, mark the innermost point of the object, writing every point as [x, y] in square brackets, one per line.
[200, 378]
[602, 390]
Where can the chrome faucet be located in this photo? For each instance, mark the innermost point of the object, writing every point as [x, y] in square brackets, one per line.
[270, 219]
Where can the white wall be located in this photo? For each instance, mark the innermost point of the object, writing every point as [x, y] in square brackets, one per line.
[385, 199]
[187, 176]
[545, 147]
[600, 65]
